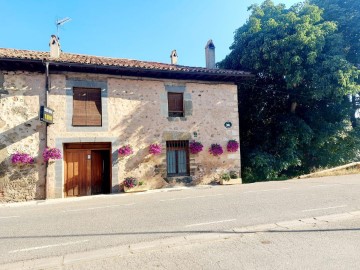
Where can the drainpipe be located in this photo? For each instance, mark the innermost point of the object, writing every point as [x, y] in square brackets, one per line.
[46, 125]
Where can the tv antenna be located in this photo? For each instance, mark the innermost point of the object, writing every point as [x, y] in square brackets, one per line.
[61, 22]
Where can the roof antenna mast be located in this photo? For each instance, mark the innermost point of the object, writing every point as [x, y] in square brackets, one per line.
[59, 23]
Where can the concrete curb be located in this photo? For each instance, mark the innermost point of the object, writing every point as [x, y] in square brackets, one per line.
[59, 262]
[85, 198]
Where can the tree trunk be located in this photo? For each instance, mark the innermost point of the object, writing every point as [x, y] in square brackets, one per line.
[293, 107]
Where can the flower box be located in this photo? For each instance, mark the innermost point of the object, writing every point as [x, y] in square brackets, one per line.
[231, 181]
[135, 189]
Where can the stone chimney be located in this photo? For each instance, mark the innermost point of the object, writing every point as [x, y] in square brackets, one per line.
[210, 54]
[173, 57]
[54, 47]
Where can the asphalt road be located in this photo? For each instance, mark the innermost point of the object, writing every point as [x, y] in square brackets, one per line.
[61, 227]
[325, 245]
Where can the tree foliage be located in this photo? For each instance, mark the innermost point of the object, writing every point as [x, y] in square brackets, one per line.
[295, 115]
[346, 14]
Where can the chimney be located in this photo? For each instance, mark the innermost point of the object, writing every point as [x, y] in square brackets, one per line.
[173, 57]
[210, 54]
[54, 47]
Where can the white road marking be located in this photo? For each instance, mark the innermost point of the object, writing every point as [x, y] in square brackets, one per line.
[325, 208]
[9, 217]
[327, 185]
[99, 207]
[265, 190]
[208, 223]
[193, 197]
[49, 246]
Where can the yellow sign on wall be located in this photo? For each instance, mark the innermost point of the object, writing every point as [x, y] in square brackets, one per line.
[46, 115]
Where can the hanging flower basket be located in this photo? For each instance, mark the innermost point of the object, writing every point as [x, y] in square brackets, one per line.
[195, 147]
[232, 146]
[51, 153]
[155, 149]
[125, 150]
[21, 159]
[216, 149]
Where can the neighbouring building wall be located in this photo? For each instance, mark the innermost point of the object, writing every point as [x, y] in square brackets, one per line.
[21, 131]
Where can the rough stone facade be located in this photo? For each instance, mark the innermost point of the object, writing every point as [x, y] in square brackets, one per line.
[136, 113]
[21, 131]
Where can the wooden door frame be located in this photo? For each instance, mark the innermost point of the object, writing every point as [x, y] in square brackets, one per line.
[88, 147]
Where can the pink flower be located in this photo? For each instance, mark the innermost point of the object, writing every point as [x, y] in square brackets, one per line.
[125, 150]
[155, 149]
[21, 158]
[130, 182]
[51, 153]
[195, 147]
[232, 146]
[216, 149]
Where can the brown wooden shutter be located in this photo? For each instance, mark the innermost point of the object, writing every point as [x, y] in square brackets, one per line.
[87, 107]
[79, 107]
[93, 107]
[176, 104]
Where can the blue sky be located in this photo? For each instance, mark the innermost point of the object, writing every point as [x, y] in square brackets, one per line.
[136, 29]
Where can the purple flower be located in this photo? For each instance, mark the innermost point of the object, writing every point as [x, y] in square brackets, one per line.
[130, 182]
[216, 149]
[155, 149]
[125, 150]
[232, 146]
[21, 158]
[51, 153]
[195, 147]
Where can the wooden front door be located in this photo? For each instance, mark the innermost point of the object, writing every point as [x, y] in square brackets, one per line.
[77, 174]
[87, 171]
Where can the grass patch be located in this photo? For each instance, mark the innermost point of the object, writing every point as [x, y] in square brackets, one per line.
[344, 171]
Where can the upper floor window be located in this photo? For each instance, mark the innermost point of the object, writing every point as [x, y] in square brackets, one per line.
[177, 158]
[176, 104]
[87, 107]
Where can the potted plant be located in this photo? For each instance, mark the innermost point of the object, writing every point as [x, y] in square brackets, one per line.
[125, 150]
[230, 178]
[22, 159]
[131, 184]
[51, 154]
[155, 149]
[216, 149]
[232, 146]
[195, 147]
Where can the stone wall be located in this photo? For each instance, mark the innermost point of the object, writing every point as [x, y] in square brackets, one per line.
[137, 114]
[21, 131]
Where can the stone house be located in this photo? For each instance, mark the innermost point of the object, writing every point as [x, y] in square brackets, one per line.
[101, 104]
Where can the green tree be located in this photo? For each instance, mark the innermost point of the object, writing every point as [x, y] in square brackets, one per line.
[346, 14]
[295, 110]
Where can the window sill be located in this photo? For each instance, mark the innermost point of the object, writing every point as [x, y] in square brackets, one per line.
[174, 119]
[184, 179]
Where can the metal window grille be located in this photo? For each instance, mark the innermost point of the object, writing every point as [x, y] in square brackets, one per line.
[177, 158]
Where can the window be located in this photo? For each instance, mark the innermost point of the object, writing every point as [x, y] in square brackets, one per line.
[176, 104]
[87, 107]
[177, 158]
